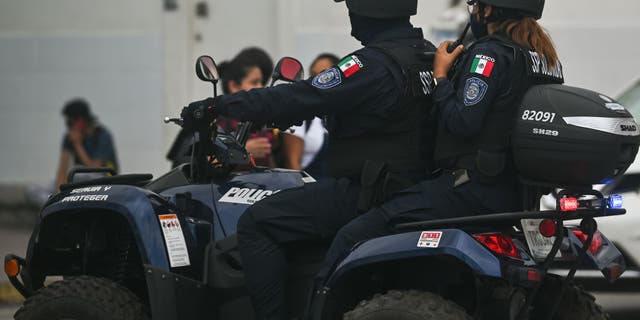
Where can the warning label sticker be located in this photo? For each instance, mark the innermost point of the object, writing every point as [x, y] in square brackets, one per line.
[174, 239]
[429, 239]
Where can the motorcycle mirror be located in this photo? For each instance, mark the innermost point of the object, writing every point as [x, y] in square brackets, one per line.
[288, 69]
[207, 70]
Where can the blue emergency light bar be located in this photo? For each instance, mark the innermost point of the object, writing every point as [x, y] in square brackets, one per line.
[614, 201]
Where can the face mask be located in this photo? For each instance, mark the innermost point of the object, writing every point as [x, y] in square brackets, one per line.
[478, 28]
[357, 26]
[364, 29]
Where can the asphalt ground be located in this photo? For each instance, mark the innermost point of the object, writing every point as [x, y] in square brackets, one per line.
[624, 306]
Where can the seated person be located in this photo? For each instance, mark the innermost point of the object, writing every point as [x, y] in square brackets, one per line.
[240, 74]
[476, 110]
[88, 142]
[259, 57]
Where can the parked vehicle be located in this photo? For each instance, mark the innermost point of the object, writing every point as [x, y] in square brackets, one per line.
[131, 248]
[625, 232]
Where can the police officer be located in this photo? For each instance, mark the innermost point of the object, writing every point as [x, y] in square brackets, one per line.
[377, 101]
[476, 110]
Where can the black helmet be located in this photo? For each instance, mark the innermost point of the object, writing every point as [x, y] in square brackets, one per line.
[382, 9]
[529, 8]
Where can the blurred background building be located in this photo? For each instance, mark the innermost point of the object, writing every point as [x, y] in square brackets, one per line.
[133, 61]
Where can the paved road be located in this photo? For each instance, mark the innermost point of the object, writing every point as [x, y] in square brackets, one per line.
[621, 306]
[6, 312]
[12, 241]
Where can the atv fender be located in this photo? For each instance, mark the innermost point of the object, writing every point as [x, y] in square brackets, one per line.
[455, 243]
[608, 259]
[138, 206]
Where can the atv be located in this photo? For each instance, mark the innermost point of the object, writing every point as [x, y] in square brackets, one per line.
[129, 247]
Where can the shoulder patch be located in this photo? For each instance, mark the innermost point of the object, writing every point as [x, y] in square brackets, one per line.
[350, 65]
[327, 79]
[483, 65]
[474, 91]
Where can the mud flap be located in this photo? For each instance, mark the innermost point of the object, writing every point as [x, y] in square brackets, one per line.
[173, 296]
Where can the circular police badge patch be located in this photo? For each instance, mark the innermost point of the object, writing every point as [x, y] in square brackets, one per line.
[474, 91]
[327, 79]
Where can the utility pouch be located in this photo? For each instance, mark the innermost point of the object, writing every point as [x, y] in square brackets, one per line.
[372, 181]
[378, 184]
[490, 163]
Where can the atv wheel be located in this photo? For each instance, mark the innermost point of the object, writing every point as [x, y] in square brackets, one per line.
[82, 298]
[407, 305]
[575, 304]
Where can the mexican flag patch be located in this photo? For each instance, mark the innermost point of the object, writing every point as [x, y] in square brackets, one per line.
[483, 65]
[350, 65]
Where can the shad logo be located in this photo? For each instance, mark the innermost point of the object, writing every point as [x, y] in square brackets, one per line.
[546, 132]
[245, 195]
[628, 127]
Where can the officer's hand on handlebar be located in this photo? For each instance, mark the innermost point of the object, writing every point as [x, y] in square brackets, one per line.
[444, 60]
[198, 114]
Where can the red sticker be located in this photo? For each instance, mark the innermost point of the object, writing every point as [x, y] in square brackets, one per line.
[429, 239]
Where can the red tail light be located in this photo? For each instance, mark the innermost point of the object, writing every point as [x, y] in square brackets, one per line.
[499, 243]
[596, 243]
[534, 275]
[568, 204]
[615, 272]
[547, 228]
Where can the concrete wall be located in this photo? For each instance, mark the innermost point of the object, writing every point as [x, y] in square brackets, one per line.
[109, 52]
[134, 62]
[597, 41]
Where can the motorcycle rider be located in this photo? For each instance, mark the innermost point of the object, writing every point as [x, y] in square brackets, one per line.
[377, 100]
[477, 109]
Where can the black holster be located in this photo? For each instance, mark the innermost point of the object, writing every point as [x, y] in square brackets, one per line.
[378, 184]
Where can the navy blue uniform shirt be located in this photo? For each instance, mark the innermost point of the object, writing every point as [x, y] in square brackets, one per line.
[358, 95]
[485, 75]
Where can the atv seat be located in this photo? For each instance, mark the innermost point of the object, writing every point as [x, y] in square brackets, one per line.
[138, 180]
[177, 177]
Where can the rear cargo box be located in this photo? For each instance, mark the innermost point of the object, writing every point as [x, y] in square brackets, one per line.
[569, 136]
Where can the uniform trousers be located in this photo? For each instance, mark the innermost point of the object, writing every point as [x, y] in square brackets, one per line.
[428, 200]
[312, 213]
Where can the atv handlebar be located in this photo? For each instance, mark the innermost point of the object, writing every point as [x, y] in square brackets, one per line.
[177, 121]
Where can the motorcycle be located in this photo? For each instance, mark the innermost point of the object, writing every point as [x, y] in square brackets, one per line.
[129, 247]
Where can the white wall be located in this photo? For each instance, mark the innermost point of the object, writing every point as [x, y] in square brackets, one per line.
[135, 62]
[109, 52]
[597, 41]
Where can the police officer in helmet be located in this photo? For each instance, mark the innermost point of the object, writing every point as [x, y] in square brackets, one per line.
[476, 106]
[377, 101]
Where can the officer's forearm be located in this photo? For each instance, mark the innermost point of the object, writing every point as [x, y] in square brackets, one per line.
[240, 106]
[264, 105]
